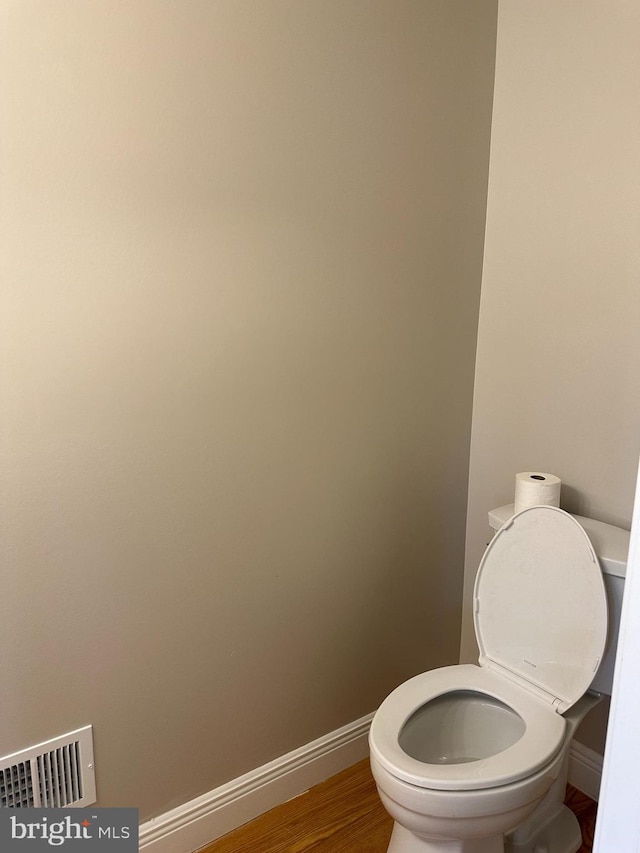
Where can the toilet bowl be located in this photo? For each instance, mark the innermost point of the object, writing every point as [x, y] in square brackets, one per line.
[473, 758]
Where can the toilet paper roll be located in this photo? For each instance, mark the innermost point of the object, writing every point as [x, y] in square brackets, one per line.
[534, 488]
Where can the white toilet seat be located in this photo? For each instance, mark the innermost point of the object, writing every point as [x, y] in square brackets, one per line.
[542, 739]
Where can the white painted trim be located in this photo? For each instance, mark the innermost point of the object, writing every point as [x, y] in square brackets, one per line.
[199, 822]
[585, 769]
[618, 823]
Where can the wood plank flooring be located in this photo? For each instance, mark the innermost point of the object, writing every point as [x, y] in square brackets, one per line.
[344, 815]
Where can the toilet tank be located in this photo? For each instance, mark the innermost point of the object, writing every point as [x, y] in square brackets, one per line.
[611, 544]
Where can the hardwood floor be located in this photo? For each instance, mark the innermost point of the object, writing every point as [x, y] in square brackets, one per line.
[339, 815]
[344, 815]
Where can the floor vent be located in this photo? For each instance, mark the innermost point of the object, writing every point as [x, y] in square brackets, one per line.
[56, 774]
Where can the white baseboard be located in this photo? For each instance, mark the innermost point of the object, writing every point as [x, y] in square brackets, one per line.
[198, 822]
[585, 769]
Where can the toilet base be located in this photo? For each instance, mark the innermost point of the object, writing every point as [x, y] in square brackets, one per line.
[405, 841]
[561, 834]
[552, 828]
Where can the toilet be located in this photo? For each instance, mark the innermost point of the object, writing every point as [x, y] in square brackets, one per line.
[474, 758]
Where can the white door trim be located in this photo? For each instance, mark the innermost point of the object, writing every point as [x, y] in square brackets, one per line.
[618, 822]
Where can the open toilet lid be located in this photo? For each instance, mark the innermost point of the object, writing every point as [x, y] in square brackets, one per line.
[540, 607]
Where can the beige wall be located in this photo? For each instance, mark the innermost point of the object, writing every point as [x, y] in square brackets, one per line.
[558, 362]
[241, 247]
